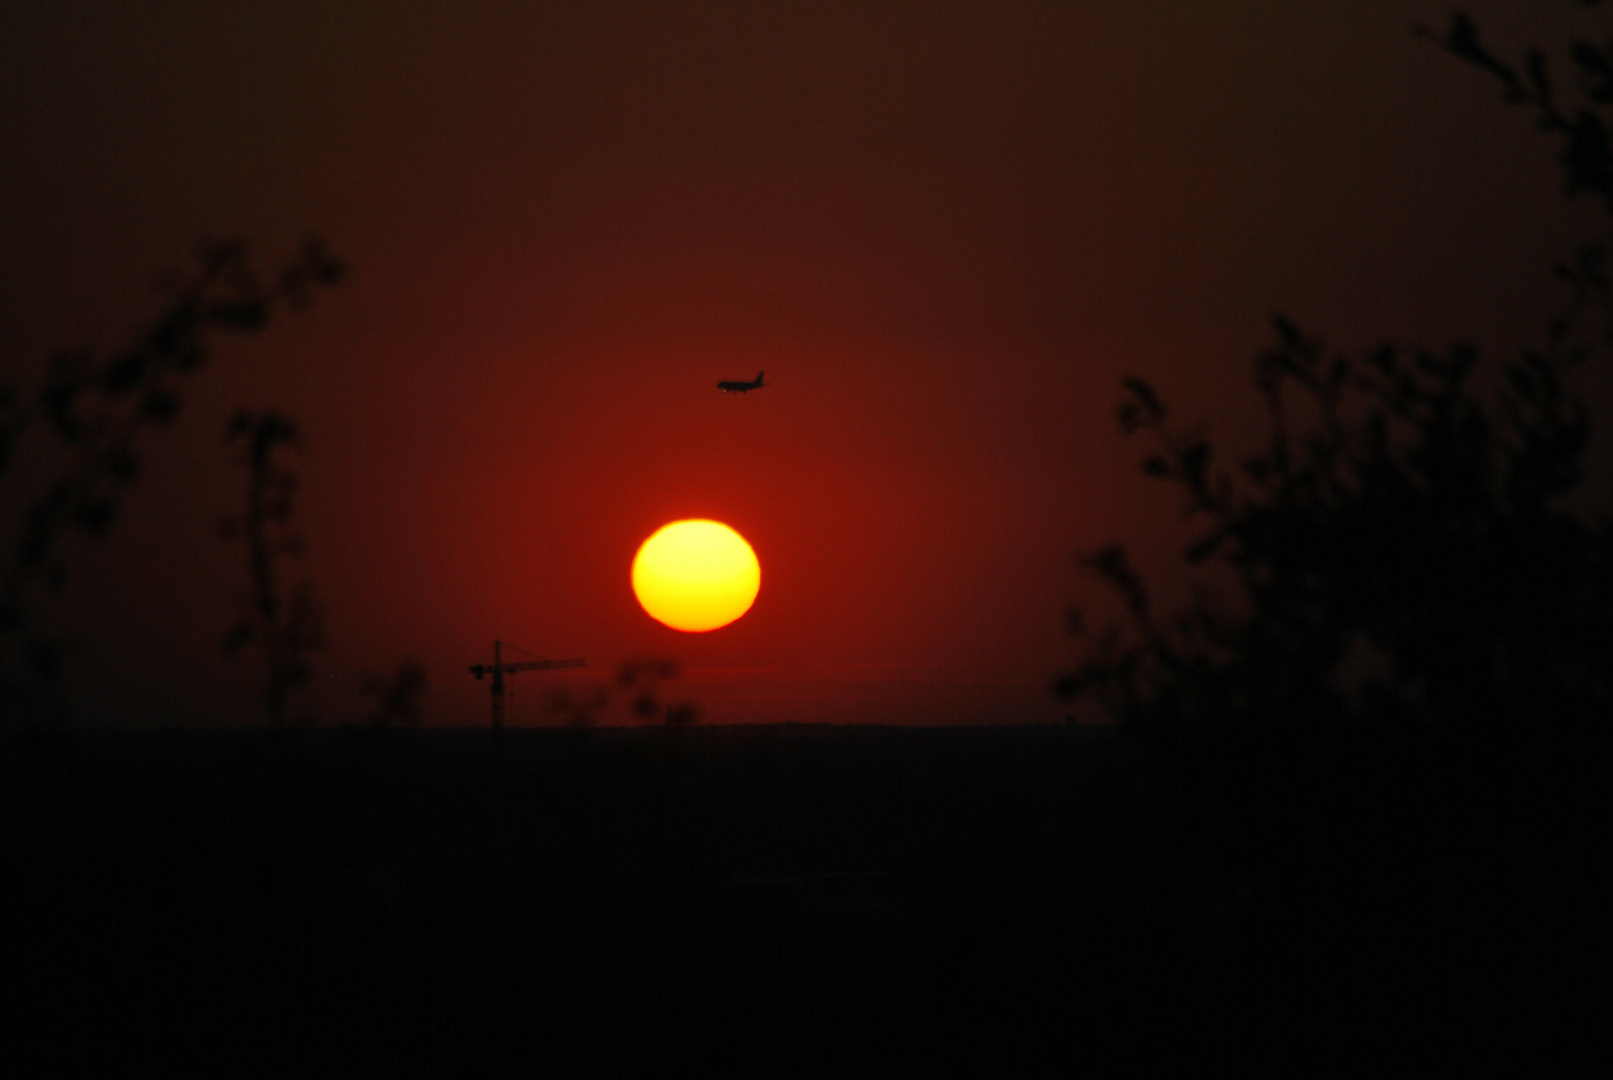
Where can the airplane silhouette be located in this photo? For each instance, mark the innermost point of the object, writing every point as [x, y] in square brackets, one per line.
[738, 386]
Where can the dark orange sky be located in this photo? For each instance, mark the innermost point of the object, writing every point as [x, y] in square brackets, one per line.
[945, 231]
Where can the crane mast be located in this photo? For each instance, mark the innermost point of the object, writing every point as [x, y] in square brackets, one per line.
[499, 669]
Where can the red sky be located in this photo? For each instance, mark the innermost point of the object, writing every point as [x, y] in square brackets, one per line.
[945, 231]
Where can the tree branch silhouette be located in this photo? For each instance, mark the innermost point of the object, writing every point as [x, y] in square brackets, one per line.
[286, 625]
[1400, 543]
[97, 410]
[398, 698]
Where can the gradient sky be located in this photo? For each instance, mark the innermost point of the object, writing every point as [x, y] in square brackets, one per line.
[945, 230]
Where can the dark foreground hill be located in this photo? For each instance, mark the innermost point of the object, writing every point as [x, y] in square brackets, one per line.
[787, 896]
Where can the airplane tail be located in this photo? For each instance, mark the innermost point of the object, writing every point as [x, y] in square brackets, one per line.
[759, 381]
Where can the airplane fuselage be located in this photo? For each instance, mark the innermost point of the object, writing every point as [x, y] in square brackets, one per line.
[739, 386]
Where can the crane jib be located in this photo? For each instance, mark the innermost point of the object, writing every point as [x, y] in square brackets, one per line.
[540, 665]
[498, 669]
[479, 670]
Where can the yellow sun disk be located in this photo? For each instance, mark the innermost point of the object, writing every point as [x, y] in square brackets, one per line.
[696, 575]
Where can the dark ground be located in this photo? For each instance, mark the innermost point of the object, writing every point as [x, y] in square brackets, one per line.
[782, 896]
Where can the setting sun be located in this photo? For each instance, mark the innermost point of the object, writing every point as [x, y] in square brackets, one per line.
[696, 575]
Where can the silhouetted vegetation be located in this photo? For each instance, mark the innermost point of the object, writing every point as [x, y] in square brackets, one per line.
[1401, 547]
[1580, 124]
[1382, 727]
[399, 698]
[285, 623]
[577, 711]
[639, 681]
[95, 412]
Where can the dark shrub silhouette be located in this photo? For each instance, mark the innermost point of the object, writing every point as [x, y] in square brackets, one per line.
[577, 712]
[1402, 551]
[1385, 734]
[96, 412]
[398, 699]
[285, 624]
[1401, 548]
[639, 680]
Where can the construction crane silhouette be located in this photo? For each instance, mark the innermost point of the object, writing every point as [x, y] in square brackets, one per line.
[499, 669]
